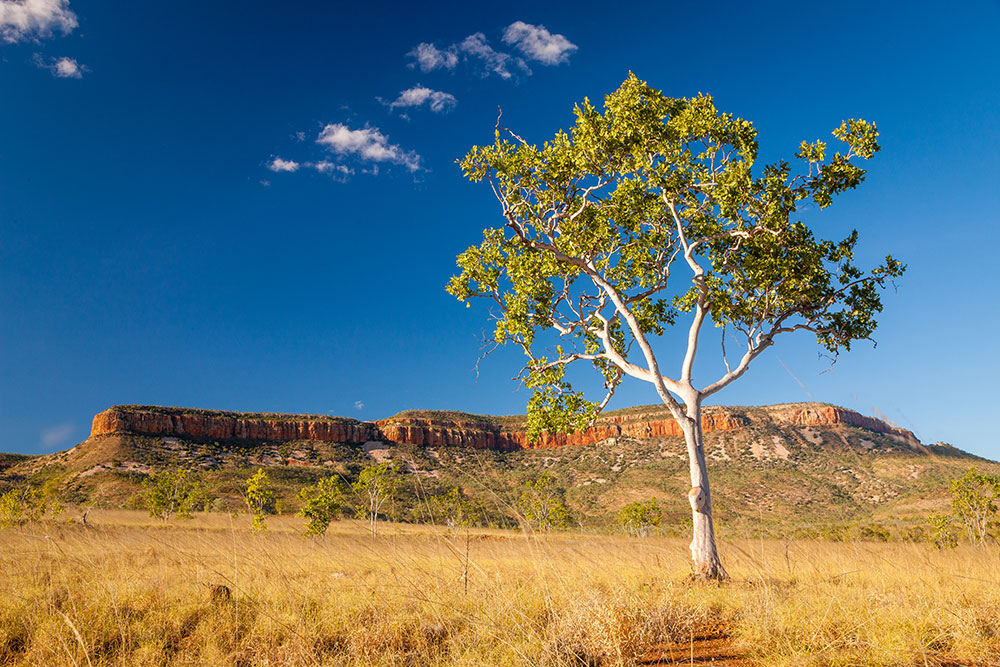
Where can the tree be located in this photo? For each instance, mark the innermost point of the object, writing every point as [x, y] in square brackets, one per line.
[974, 503]
[452, 508]
[323, 502]
[28, 504]
[598, 221]
[542, 505]
[638, 517]
[259, 498]
[376, 484]
[170, 492]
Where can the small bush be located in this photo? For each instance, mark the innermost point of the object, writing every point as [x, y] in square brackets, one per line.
[323, 502]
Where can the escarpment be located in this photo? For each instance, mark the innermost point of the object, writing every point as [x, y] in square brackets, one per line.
[223, 426]
[446, 429]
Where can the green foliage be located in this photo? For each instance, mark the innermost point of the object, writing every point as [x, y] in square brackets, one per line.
[322, 503]
[259, 498]
[376, 485]
[542, 505]
[943, 532]
[974, 504]
[28, 504]
[452, 509]
[596, 219]
[639, 517]
[172, 492]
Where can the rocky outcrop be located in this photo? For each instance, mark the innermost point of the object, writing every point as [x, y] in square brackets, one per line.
[483, 435]
[463, 432]
[813, 414]
[218, 425]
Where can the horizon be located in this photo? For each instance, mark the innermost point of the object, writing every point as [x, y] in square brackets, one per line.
[265, 217]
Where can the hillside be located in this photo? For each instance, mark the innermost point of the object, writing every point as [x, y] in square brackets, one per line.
[801, 468]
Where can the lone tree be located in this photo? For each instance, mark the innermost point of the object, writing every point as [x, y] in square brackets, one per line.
[376, 485]
[596, 222]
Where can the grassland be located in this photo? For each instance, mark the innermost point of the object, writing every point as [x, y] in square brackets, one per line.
[128, 590]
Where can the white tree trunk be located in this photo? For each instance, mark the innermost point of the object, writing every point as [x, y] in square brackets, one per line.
[706, 558]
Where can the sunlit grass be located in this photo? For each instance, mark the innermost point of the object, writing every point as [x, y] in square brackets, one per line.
[130, 590]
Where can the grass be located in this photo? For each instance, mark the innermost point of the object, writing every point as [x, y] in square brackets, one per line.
[130, 590]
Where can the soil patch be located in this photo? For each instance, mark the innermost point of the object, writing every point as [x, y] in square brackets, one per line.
[710, 644]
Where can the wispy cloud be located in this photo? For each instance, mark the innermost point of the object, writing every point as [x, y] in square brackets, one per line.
[534, 41]
[22, 20]
[367, 144]
[339, 172]
[537, 43]
[63, 68]
[429, 58]
[359, 405]
[56, 435]
[492, 61]
[279, 164]
[437, 101]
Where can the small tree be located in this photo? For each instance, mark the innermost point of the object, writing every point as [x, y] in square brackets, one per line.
[638, 517]
[29, 504]
[259, 498]
[323, 502]
[542, 504]
[170, 492]
[974, 503]
[596, 224]
[943, 532]
[376, 484]
[452, 509]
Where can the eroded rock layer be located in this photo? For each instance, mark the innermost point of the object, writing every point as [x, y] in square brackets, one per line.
[466, 431]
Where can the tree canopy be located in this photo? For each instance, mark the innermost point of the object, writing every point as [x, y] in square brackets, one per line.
[597, 220]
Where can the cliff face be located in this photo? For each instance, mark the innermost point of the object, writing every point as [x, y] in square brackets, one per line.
[437, 432]
[205, 425]
[828, 415]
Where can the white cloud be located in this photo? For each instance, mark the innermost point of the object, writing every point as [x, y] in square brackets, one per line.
[438, 101]
[278, 164]
[327, 167]
[67, 68]
[63, 68]
[368, 144]
[56, 435]
[26, 19]
[428, 57]
[339, 172]
[539, 44]
[359, 405]
[495, 62]
[534, 41]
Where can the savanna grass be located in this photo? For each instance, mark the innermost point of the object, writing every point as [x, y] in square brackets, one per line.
[134, 591]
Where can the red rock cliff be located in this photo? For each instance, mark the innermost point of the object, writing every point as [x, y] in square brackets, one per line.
[811, 414]
[483, 435]
[437, 432]
[212, 425]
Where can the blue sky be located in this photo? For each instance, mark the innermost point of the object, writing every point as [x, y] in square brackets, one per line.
[235, 205]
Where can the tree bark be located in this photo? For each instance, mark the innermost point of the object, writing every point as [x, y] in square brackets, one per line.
[703, 551]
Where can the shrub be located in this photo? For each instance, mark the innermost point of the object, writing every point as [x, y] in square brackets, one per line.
[173, 492]
[637, 518]
[973, 501]
[28, 504]
[259, 498]
[323, 502]
[542, 504]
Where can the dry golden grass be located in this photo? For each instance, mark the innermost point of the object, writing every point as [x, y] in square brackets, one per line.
[133, 591]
